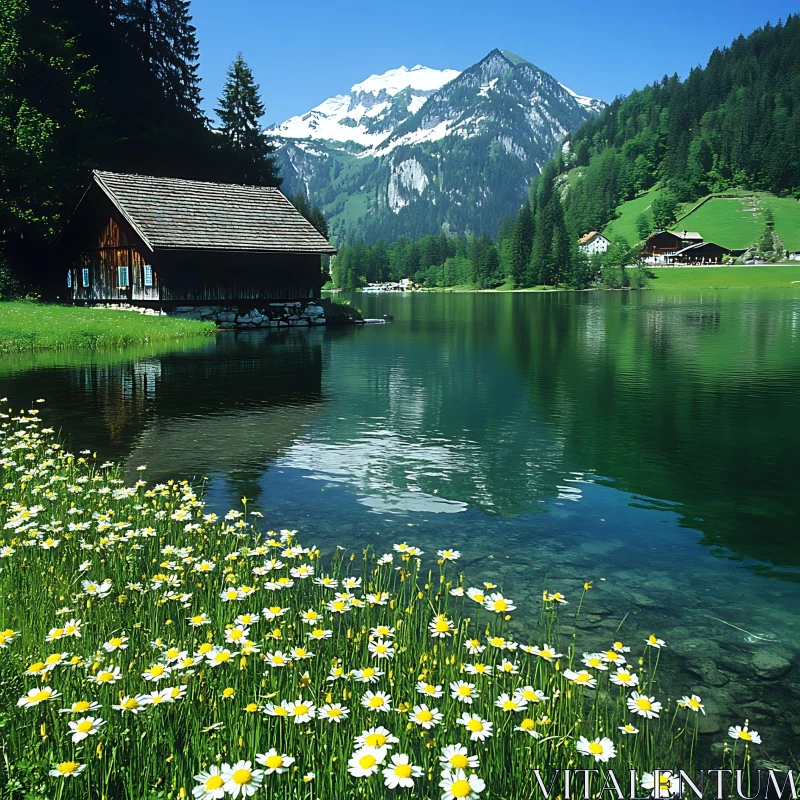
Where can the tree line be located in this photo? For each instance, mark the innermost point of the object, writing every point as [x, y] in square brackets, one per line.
[113, 85]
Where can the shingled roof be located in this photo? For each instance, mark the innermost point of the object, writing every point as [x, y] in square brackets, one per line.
[178, 214]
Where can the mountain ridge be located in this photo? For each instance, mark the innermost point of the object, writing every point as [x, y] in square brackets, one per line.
[400, 152]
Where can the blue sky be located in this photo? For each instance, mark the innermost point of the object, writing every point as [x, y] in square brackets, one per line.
[302, 53]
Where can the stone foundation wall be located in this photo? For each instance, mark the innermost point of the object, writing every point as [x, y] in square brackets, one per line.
[261, 315]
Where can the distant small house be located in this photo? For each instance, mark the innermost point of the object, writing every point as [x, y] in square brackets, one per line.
[167, 241]
[794, 256]
[593, 242]
[661, 247]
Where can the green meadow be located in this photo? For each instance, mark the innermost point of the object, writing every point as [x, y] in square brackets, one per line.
[36, 326]
[675, 279]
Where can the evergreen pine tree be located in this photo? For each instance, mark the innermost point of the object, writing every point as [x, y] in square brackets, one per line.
[240, 109]
[521, 244]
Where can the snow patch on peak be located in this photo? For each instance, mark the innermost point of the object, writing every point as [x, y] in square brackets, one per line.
[424, 79]
[589, 103]
[369, 114]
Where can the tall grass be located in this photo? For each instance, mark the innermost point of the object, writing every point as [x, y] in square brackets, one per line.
[99, 578]
[34, 326]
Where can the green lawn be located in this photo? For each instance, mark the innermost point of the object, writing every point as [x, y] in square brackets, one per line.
[34, 326]
[681, 278]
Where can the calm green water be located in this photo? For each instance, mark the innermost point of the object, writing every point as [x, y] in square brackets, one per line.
[649, 443]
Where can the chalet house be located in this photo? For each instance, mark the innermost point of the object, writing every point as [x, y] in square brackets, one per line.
[701, 254]
[662, 246]
[164, 242]
[593, 242]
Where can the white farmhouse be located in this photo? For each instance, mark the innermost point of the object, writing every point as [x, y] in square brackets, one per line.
[593, 242]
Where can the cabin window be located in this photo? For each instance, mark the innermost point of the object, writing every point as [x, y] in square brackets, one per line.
[85, 277]
[148, 275]
[123, 279]
[69, 279]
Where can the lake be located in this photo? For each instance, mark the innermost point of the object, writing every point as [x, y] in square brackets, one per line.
[646, 442]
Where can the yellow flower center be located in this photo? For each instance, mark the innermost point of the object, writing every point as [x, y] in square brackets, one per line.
[745, 735]
[53, 659]
[367, 761]
[251, 708]
[369, 672]
[460, 789]
[130, 703]
[280, 711]
[227, 692]
[36, 667]
[300, 710]
[694, 704]
[424, 716]
[497, 641]
[156, 670]
[403, 771]
[85, 726]
[594, 662]
[273, 762]
[205, 648]
[527, 724]
[375, 740]
[644, 704]
[583, 677]
[115, 642]
[595, 748]
[42, 694]
[334, 712]
[81, 705]
[442, 626]
[381, 648]
[375, 702]
[624, 676]
[500, 605]
[235, 634]
[223, 656]
[214, 782]
[509, 705]
[475, 725]
[242, 776]
[464, 691]
[279, 659]
[67, 767]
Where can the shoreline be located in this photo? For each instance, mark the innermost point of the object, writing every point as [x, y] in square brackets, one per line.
[673, 279]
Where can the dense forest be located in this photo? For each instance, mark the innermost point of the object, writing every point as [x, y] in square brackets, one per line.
[734, 123]
[110, 84]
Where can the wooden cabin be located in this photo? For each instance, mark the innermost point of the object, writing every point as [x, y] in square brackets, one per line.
[701, 254]
[168, 241]
[661, 246]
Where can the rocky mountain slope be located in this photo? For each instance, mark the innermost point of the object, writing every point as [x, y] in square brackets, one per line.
[419, 150]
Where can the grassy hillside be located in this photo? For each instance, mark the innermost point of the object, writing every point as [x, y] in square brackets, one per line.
[732, 221]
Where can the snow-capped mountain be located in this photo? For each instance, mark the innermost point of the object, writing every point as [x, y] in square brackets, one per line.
[371, 110]
[420, 150]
